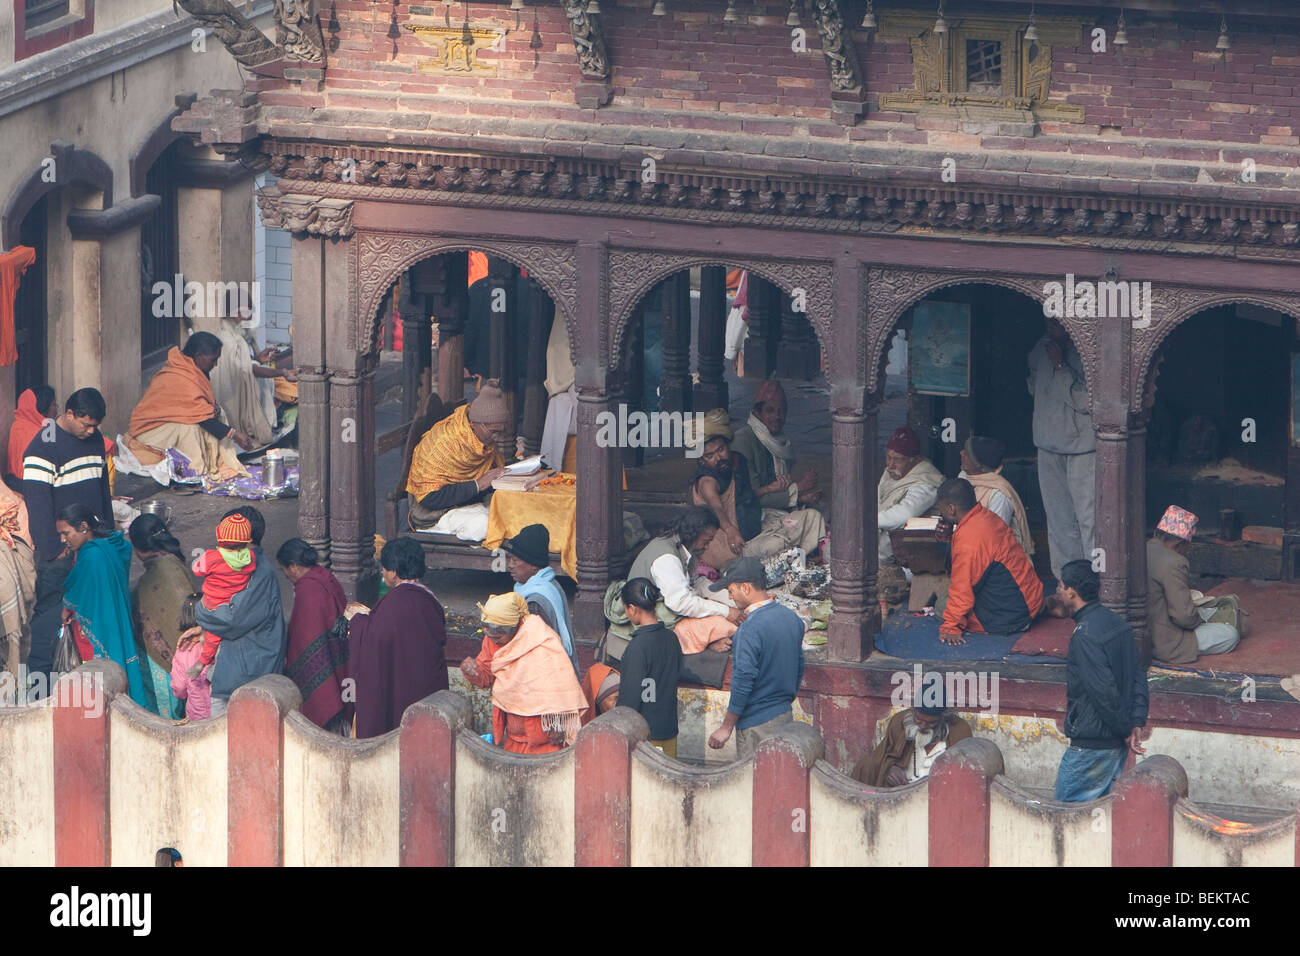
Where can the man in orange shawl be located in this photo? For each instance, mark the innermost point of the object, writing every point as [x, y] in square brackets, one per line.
[456, 461]
[178, 411]
[536, 699]
[36, 406]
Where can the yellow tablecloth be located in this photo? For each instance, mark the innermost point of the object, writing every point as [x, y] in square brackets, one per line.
[555, 506]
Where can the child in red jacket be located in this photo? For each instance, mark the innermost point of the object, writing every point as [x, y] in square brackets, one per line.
[225, 572]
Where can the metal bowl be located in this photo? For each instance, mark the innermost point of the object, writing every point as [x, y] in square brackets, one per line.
[155, 507]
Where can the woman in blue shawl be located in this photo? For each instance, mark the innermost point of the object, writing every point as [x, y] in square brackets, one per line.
[96, 593]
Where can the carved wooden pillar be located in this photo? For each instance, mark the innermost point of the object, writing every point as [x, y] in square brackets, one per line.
[412, 306]
[453, 312]
[856, 617]
[797, 355]
[711, 392]
[352, 486]
[763, 303]
[313, 454]
[675, 390]
[502, 310]
[539, 304]
[1136, 519]
[600, 511]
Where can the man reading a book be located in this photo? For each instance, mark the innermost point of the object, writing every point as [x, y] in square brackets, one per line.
[907, 486]
[456, 461]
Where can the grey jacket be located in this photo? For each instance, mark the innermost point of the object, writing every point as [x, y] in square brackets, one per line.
[1062, 419]
[252, 631]
[1171, 616]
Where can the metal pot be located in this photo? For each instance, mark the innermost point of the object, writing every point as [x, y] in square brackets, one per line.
[272, 471]
[155, 507]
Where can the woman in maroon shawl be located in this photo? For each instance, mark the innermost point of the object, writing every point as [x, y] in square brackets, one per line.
[397, 654]
[317, 656]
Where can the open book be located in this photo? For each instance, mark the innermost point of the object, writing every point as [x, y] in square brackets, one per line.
[923, 523]
[527, 466]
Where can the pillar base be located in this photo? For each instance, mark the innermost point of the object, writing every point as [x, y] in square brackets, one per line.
[850, 635]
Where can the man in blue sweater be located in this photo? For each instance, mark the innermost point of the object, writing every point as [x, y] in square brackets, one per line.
[767, 660]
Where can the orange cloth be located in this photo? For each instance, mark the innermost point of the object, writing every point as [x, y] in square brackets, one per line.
[733, 279]
[448, 453]
[532, 675]
[555, 506]
[28, 421]
[286, 391]
[12, 266]
[591, 684]
[179, 393]
[521, 735]
[478, 266]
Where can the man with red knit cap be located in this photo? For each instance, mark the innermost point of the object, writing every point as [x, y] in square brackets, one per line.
[225, 572]
[907, 487]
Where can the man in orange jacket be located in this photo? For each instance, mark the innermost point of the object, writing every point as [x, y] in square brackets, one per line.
[994, 588]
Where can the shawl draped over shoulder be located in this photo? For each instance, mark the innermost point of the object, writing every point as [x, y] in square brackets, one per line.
[317, 658]
[96, 590]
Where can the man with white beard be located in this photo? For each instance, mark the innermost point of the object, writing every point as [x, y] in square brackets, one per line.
[913, 741]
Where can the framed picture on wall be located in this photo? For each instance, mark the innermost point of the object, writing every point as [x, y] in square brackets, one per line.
[940, 348]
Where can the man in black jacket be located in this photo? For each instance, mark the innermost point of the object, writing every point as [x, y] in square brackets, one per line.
[1106, 691]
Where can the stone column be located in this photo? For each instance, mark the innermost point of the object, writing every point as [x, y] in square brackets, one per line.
[313, 392]
[675, 391]
[711, 392]
[539, 304]
[856, 617]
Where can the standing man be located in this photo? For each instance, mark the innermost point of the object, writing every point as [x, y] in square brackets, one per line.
[250, 624]
[767, 660]
[528, 562]
[1106, 691]
[64, 465]
[1067, 445]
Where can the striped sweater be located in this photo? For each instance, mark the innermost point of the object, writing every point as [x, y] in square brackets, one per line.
[58, 473]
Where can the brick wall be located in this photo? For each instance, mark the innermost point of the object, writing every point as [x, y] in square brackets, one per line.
[690, 70]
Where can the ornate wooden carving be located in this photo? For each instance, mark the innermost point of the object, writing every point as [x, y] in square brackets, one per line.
[453, 54]
[848, 92]
[640, 271]
[588, 40]
[298, 30]
[298, 33]
[383, 256]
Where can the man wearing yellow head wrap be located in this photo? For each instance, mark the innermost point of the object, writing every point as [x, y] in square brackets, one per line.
[536, 698]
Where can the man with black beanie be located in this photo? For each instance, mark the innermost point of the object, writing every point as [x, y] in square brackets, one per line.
[1106, 690]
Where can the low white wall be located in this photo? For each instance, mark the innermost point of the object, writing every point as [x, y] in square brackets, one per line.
[1203, 839]
[850, 827]
[27, 785]
[1025, 831]
[688, 816]
[340, 797]
[167, 787]
[511, 809]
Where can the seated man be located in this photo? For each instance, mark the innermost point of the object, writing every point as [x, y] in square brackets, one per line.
[1179, 629]
[914, 739]
[763, 443]
[907, 486]
[722, 483]
[536, 700]
[994, 587]
[981, 465]
[456, 461]
[529, 563]
[668, 561]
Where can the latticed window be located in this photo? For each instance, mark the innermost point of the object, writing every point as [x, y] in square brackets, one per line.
[984, 66]
[40, 12]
